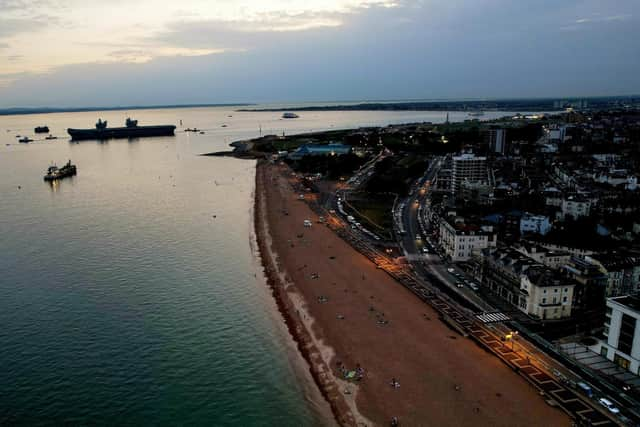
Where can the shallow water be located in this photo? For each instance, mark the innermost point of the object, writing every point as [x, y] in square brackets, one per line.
[129, 294]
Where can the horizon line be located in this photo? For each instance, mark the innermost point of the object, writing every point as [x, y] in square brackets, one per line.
[48, 109]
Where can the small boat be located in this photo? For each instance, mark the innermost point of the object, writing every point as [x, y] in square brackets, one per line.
[51, 137]
[192, 130]
[25, 140]
[201, 132]
[41, 129]
[290, 116]
[54, 173]
[223, 126]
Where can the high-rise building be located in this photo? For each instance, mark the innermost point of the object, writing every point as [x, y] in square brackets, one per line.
[497, 140]
[468, 167]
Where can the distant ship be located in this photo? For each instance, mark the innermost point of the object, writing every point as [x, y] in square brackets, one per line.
[476, 113]
[41, 129]
[131, 130]
[53, 172]
[25, 139]
[290, 116]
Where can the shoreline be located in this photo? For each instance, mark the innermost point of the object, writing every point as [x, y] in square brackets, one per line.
[277, 282]
[343, 311]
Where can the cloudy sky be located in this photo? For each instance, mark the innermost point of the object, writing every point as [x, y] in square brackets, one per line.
[90, 52]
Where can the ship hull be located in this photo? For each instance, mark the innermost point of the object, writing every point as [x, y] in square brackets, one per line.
[123, 132]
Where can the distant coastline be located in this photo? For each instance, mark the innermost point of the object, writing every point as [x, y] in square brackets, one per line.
[521, 104]
[471, 105]
[47, 110]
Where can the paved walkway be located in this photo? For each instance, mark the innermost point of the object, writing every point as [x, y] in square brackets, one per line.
[592, 360]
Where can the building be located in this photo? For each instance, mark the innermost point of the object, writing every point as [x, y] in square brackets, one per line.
[555, 133]
[575, 207]
[547, 257]
[589, 296]
[467, 167]
[533, 288]
[460, 241]
[333, 149]
[622, 271]
[497, 140]
[621, 343]
[538, 224]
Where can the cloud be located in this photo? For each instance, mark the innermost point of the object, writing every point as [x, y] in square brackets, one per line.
[613, 18]
[146, 55]
[10, 27]
[410, 49]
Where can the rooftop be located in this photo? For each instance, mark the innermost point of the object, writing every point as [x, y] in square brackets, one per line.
[630, 301]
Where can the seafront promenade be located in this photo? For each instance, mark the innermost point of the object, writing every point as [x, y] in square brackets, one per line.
[351, 319]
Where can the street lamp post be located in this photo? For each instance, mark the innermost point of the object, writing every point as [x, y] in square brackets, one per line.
[511, 336]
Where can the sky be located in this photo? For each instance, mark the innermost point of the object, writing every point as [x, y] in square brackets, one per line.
[74, 53]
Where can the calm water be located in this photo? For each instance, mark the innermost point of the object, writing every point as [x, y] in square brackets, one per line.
[123, 300]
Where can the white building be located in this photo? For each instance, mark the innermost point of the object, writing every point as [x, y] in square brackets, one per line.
[545, 295]
[534, 289]
[622, 343]
[575, 207]
[468, 167]
[460, 241]
[538, 224]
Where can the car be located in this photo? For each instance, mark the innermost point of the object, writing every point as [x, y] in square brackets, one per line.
[425, 250]
[609, 405]
[460, 284]
[418, 237]
[450, 270]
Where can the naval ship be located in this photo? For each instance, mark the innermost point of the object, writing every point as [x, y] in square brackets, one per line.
[131, 130]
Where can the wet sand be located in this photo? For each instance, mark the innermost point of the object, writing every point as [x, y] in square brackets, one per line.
[341, 308]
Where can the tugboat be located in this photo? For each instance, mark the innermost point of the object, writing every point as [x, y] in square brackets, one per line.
[131, 130]
[41, 129]
[25, 140]
[290, 116]
[53, 172]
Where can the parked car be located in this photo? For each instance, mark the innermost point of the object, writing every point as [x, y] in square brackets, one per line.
[609, 405]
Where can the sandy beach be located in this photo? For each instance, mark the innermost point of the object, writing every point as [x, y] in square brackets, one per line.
[344, 313]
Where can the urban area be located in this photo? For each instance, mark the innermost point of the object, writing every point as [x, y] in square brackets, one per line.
[522, 232]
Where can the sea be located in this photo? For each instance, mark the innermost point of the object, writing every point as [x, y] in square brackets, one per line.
[131, 294]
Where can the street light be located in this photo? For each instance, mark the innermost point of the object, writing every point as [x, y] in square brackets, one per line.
[511, 336]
